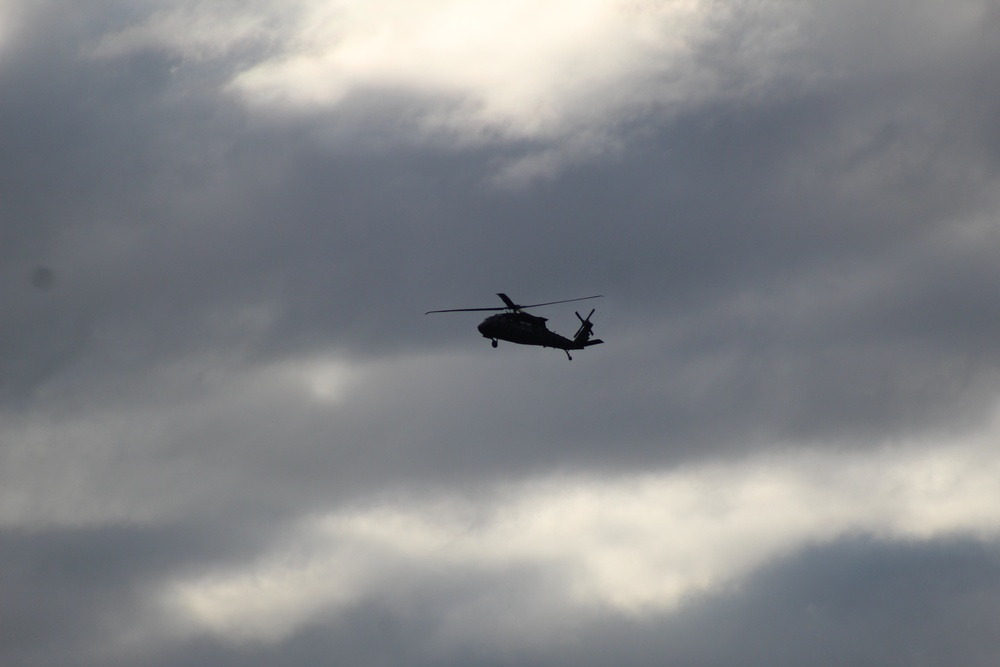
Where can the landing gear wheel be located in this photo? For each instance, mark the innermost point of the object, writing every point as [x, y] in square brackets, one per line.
[493, 342]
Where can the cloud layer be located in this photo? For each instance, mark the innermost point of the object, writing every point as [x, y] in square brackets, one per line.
[637, 545]
[228, 434]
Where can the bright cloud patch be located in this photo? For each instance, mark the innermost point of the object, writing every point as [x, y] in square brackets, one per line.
[10, 21]
[638, 544]
[477, 71]
[521, 65]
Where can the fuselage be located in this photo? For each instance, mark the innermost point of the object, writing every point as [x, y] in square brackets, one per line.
[524, 329]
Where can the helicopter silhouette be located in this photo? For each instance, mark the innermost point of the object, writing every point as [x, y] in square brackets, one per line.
[517, 326]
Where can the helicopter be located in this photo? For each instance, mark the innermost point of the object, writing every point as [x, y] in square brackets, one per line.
[517, 326]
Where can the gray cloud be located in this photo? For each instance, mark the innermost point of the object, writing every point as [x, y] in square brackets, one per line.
[213, 307]
[861, 602]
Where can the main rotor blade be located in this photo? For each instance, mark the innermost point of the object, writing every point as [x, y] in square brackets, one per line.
[507, 301]
[461, 310]
[549, 303]
[510, 305]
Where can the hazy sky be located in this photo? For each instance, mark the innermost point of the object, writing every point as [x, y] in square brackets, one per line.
[230, 436]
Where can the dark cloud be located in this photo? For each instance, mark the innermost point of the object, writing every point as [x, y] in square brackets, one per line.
[74, 595]
[804, 255]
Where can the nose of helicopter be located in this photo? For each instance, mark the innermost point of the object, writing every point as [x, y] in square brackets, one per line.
[482, 327]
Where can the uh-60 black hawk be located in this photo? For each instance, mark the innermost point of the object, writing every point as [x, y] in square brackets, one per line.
[517, 326]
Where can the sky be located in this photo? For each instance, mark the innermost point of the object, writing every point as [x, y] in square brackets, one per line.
[230, 436]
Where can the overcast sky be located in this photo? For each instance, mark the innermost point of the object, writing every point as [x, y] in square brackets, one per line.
[230, 436]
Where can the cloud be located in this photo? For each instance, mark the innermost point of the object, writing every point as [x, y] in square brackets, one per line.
[563, 79]
[520, 63]
[229, 435]
[191, 30]
[637, 545]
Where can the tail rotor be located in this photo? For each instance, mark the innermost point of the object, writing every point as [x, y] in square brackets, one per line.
[585, 331]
